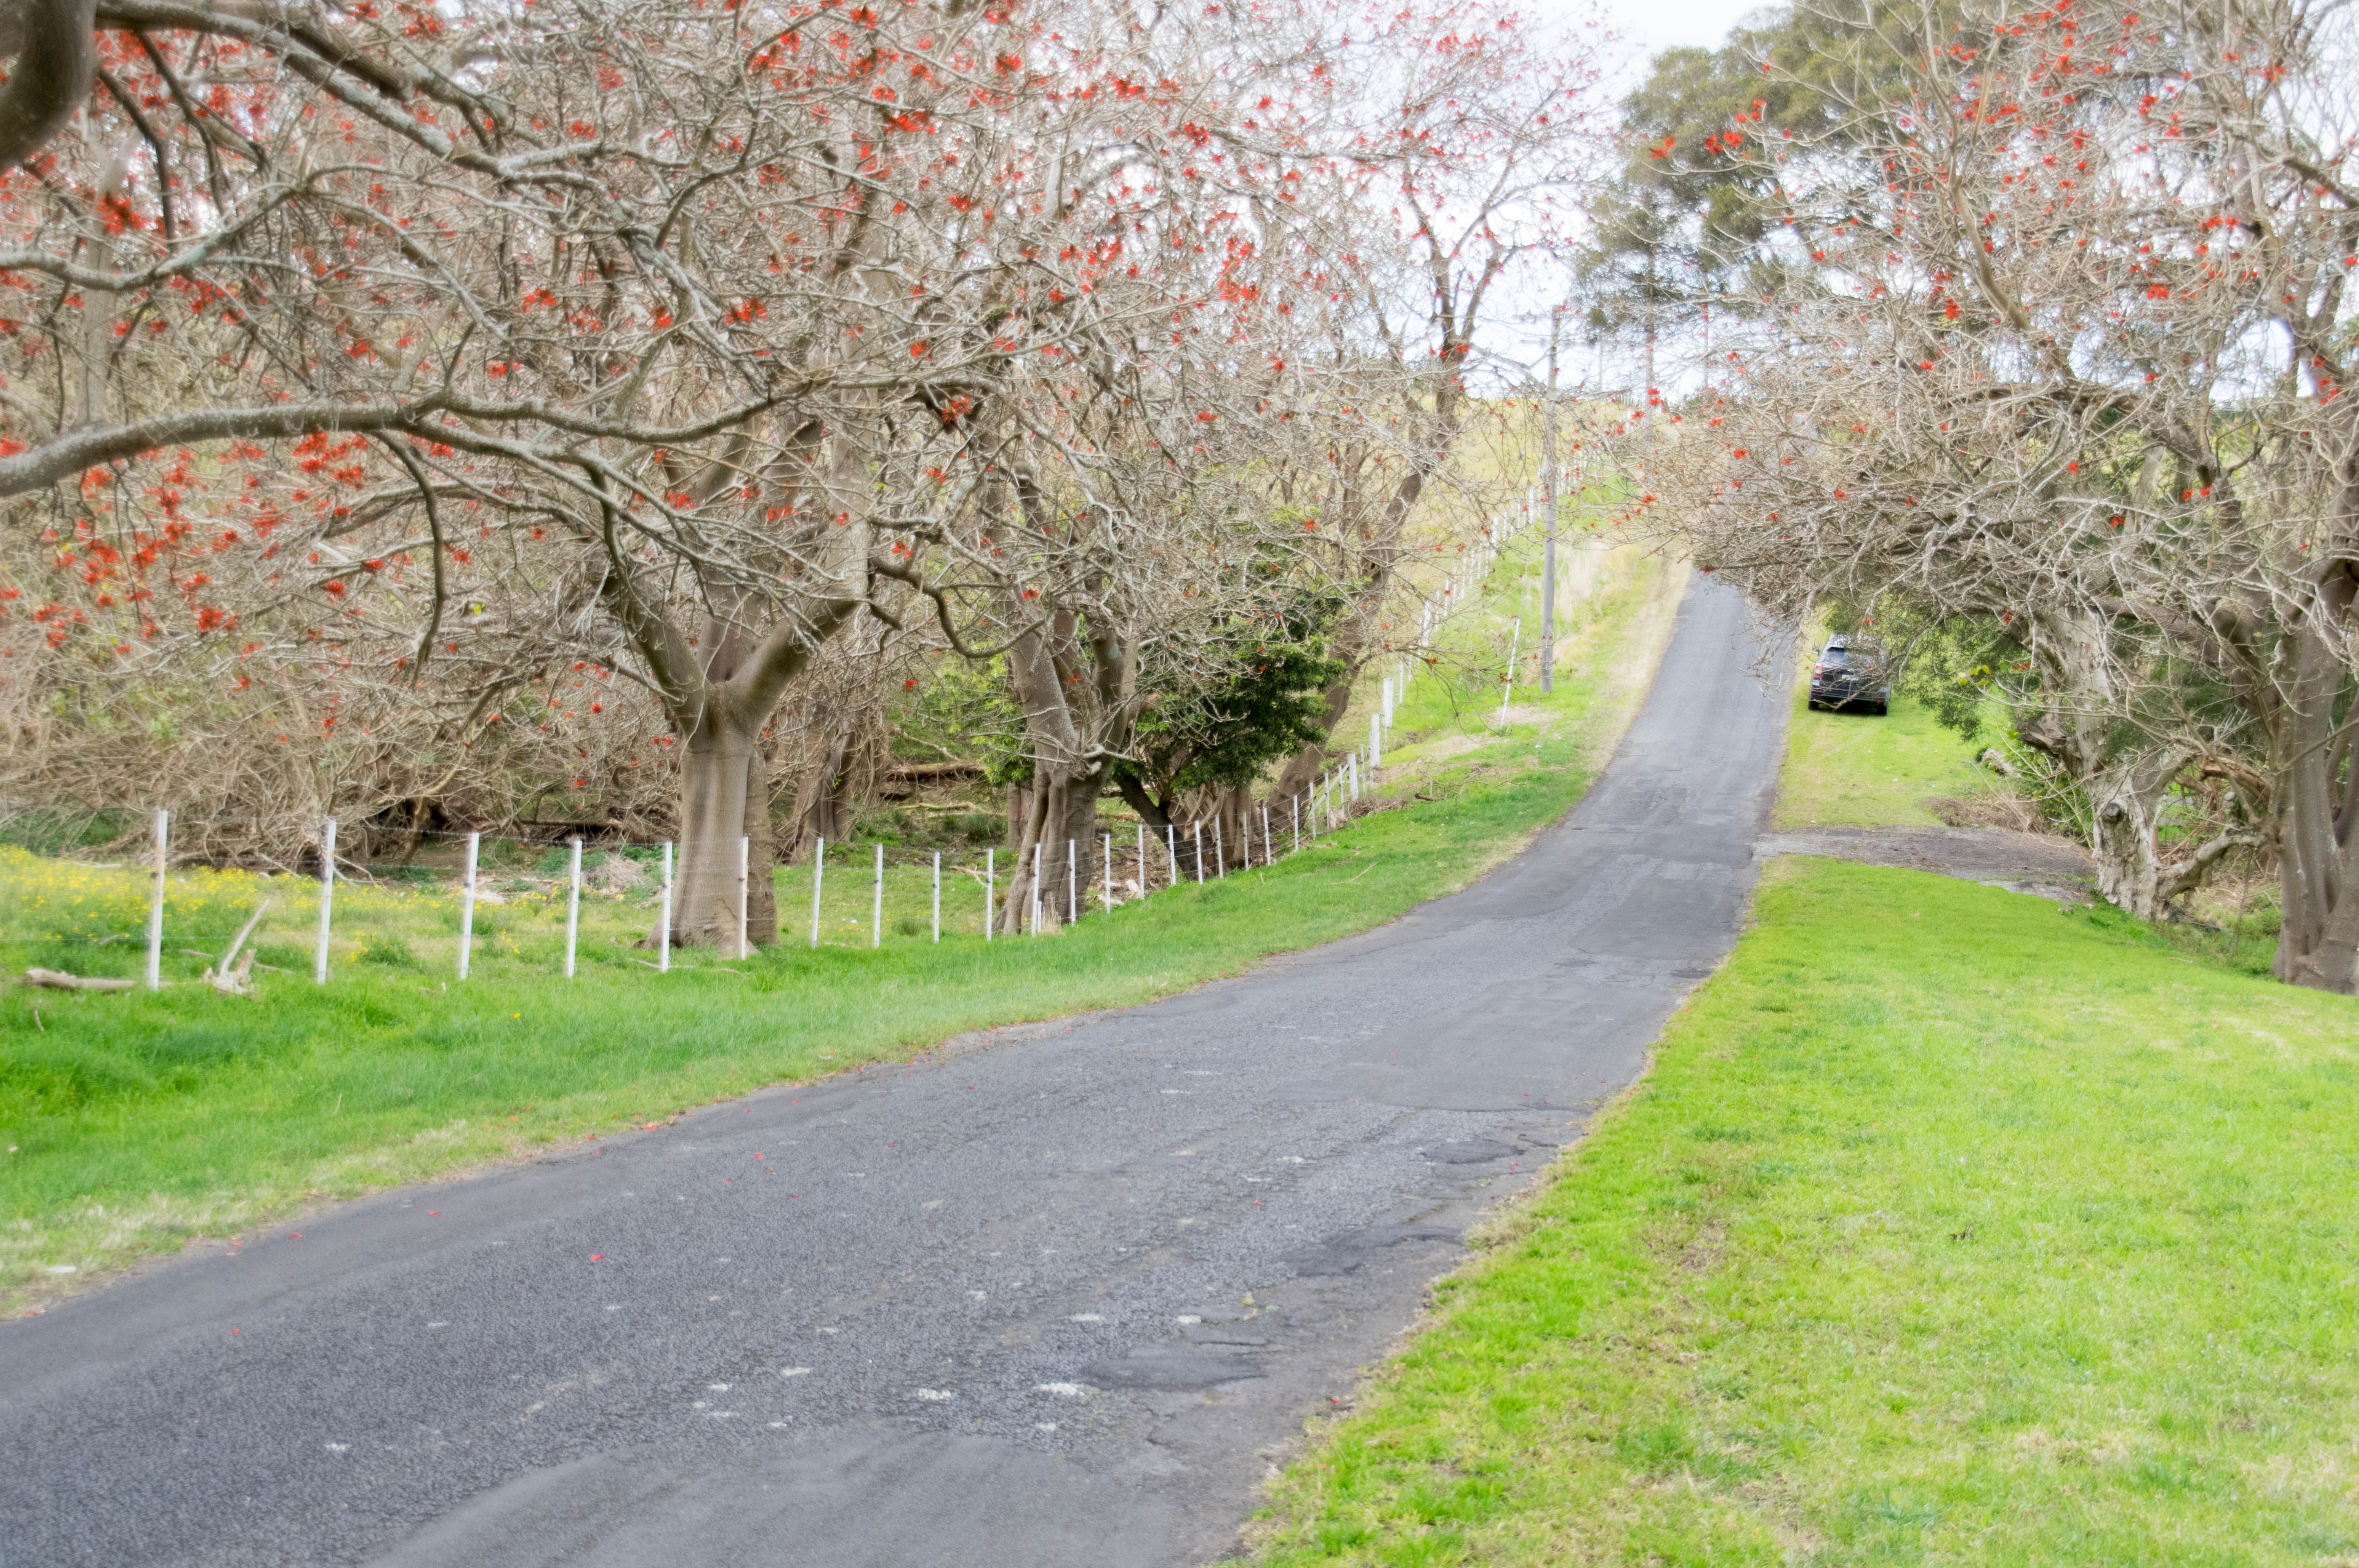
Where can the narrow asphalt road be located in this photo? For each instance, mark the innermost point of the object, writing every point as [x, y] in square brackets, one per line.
[1057, 1297]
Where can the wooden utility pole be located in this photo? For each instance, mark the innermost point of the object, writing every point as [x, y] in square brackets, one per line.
[1548, 504]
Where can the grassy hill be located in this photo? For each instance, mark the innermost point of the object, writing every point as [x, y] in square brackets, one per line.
[1949, 1226]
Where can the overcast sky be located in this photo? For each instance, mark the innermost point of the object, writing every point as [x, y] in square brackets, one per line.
[1646, 26]
[1643, 28]
[1653, 25]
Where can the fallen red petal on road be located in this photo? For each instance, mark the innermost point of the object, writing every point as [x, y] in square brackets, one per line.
[597, 1257]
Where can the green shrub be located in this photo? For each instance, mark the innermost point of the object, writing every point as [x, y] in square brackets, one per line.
[54, 829]
[383, 948]
[504, 854]
[491, 920]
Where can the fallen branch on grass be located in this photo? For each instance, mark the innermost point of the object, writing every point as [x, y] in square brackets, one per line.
[232, 981]
[58, 980]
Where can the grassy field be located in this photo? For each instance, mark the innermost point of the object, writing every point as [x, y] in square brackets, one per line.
[1865, 770]
[132, 1122]
[1849, 769]
[1949, 1226]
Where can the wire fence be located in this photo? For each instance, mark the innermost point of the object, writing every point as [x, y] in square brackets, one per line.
[65, 914]
[274, 921]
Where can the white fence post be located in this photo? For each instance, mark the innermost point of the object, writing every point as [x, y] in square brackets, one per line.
[574, 908]
[1199, 854]
[1220, 851]
[467, 904]
[876, 906]
[937, 895]
[156, 905]
[819, 875]
[1376, 742]
[1268, 846]
[1170, 852]
[989, 914]
[663, 933]
[1514, 645]
[327, 898]
[1072, 882]
[744, 880]
[1109, 873]
[1037, 857]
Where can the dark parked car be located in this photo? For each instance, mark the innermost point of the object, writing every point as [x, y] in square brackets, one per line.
[1850, 673]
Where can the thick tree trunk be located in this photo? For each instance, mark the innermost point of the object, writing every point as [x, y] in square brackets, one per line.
[1302, 769]
[2126, 793]
[721, 685]
[2128, 811]
[1019, 811]
[1151, 810]
[1073, 847]
[1352, 642]
[1045, 665]
[1060, 823]
[2125, 784]
[49, 75]
[1026, 843]
[724, 798]
[2318, 857]
[822, 807]
[1187, 811]
[1238, 827]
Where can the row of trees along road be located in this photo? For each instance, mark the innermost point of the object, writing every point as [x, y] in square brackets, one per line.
[2035, 334]
[408, 402]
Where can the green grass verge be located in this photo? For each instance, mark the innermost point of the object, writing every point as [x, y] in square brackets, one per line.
[132, 1122]
[1948, 1227]
[1864, 770]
